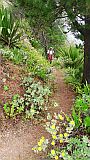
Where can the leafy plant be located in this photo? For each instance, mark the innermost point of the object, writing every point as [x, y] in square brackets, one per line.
[81, 111]
[78, 148]
[33, 60]
[33, 102]
[87, 121]
[38, 65]
[36, 96]
[63, 143]
[60, 127]
[8, 28]
[72, 59]
[6, 88]
[7, 109]
[73, 76]
[15, 107]
[77, 118]
[15, 55]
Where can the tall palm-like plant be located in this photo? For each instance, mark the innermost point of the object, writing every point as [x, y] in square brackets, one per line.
[72, 57]
[8, 28]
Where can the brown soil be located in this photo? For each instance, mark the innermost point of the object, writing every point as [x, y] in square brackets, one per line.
[10, 75]
[18, 137]
[63, 93]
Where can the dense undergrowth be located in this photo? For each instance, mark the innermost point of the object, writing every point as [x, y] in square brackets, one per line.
[32, 60]
[20, 51]
[37, 92]
[69, 134]
[72, 60]
[34, 100]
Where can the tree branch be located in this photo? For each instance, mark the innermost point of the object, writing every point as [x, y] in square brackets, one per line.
[79, 27]
[75, 23]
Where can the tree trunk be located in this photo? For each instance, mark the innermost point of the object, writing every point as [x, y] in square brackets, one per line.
[44, 41]
[0, 57]
[86, 73]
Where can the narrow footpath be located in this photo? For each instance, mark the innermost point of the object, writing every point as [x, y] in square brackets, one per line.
[17, 140]
[63, 93]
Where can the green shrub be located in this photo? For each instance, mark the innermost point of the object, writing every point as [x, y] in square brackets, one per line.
[81, 111]
[78, 148]
[6, 88]
[57, 62]
[72, 57]
[15, 107]
[34, 61]
[8, 28]
[74, 76]
[38, 64]
[72, 60]
[15, 55]
[33, 102]
[35, 43]
[36, 96]
[64, 143]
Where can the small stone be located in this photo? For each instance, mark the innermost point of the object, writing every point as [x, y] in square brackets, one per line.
[4, 80]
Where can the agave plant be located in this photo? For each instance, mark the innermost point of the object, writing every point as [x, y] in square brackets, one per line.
[72, 57]
[8, 28]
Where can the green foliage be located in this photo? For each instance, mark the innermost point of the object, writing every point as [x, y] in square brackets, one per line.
[87, 121]
[55, 37]
[77, 11]
[64, 143]
[33, 8]
[44, 27]
[81, 111]
[57, 62]
[15, 107]
[33, 102]
[78, 148]
[77, 118]
[55, 145]
[15, 55]
[72, 59]
[38, 65]
[34, 61]
[8, 28]
[25, 27]
[74, 77]
[36, 96]
[35, 43]
[6, 88]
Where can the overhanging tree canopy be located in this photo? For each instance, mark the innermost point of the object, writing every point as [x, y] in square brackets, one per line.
[44, 12]
[78, 12]
[41, 16]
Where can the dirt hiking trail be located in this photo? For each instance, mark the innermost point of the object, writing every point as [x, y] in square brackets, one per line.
[63, 93]
[17, 139]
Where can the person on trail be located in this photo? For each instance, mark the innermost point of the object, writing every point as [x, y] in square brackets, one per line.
[50, 54]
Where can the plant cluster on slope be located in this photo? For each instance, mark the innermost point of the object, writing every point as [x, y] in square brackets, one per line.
[72, 61]
[33, 61]
[9, 33]
[81, 110]
[34, 101]
[38, 65]
[64, 143]
[15, 55]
